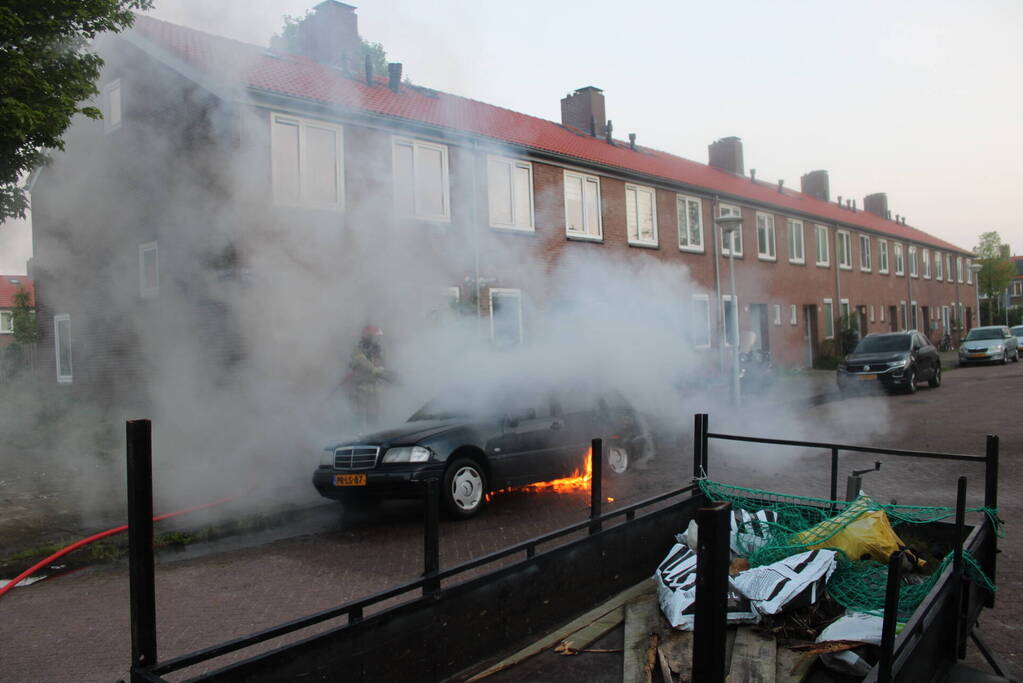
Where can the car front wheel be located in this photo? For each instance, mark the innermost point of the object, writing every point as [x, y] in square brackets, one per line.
[617, 459]
[465, 486]
[1015, 356]
[1005, 357]
[935, 381]
[911, 381]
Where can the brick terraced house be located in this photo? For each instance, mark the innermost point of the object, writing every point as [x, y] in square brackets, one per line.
[464, 185]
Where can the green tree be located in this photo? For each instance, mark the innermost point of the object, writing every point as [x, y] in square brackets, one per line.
[48, 72]
[997, 269]
[23, 318]
[287, 41]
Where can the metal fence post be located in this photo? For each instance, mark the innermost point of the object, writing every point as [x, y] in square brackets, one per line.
[431, 537]
[141, 581]
[958, 575]
[834, 476]
[596, 483]
[891, 618]
[710, 624]
[704, 448]
[991, 501]
[697, 445]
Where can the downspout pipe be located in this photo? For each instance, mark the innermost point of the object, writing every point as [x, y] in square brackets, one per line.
[717, 282]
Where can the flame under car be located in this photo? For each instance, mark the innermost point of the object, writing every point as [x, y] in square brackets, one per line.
[478, 445]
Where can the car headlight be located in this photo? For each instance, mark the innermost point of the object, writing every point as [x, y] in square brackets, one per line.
[327, 457]
[407, 454]
[997, 347]
[842, 367]
[899, 363]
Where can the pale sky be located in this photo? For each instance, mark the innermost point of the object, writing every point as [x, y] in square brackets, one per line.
[919, 98]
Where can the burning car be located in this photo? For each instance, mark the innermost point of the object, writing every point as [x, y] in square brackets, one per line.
[476, 444]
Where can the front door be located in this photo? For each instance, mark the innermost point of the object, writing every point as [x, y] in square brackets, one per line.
[759, 324]
[809, 333]
[893, 318]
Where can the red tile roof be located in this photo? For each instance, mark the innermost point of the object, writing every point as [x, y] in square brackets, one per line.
[300, 77]
[9, 286]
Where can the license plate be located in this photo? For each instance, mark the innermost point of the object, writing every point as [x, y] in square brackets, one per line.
[349, 480]
[865, 377]
[978, 355]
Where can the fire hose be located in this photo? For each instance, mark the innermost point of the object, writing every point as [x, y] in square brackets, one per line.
[95, 537]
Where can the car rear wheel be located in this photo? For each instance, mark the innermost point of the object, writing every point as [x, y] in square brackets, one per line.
[935, 381]
[617, 459]
[1005, 357]
[1015, 356]
[465, 486]
[911, 381]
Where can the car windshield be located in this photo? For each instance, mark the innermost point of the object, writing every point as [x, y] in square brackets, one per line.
[1018, 330]
[887, 343]
[984, 333]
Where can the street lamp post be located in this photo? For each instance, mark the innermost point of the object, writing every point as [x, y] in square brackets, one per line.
[729, 225]
[975, 268]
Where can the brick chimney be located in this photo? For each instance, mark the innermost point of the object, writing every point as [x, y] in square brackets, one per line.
[815, 184]
[726, 154]
[876, 204]
[584, 109]
[330, 35]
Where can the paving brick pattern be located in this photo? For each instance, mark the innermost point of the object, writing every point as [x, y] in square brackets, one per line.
[76, 628]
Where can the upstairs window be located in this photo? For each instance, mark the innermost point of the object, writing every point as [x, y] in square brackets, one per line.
[421, 188]
[735, 244]
[111, 106]
[882, 256]
[948, 268]
[899, 265]
[62, 347]
[641, 215]
[959, 268]
[969, 272]
[510, 193]
[796, 245]
[937, 266]
[766, 249]
[821, 235]
[925, 263]
[149, 269]
[701, 321]
[582, 206]
[506, 317]
[865, 264]
[690, 223]
[306, 159]
[912, 261]
[843, 249]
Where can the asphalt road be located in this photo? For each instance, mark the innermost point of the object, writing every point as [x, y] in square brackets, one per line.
[76, 628]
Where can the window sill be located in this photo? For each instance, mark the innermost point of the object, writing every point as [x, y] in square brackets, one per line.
[844, 267]
[825, 264]
[763, 257]
[882, 272]
[691, 250]
[866, 270]
[644, 245]
[578, 237]
[309, 207]
[64, 380]
[797, 262]
[512, 230]
[725, 254]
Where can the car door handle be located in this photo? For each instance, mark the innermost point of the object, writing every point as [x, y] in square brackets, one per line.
[555, 425]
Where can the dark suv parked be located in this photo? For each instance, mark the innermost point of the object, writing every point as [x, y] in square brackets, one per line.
[896, 360]
[477, 443]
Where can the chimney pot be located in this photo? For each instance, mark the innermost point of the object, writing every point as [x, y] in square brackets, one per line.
[876, 204]
[330, 35]
[815, 184]
[781, 184]
[840, 200]
[583, 109]
[394, 76]
[726, 154]
[753, 175]
[608, 131]
[369, 71]
[632, 141]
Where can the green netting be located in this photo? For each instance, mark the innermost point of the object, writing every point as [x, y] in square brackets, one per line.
[857, 585]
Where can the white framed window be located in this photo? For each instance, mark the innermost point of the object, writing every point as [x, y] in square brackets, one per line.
[969, 271]
[111, 106]
[937, 266]
[925, 263]
[796, 243]
[690, 223]
[582, 206]
[506, 317]
[736, 241]
[1017, 287]
[959, 269]
[948, 268]
[821, 236]
[871, 313]
[829, 319]
[914, 319]
[149, 269]
[843, 249]
[6, 322]
[880, 310]
[844, 311]
[905, 315]
[865, 264]
[882, 256]
[421, 187]
[62, 347]
[900, 268]
[793, 315]
[641, 214]
[912, 261]
[306, 162]
[777, 314]
[700, 318]
[510, 193]
[766, 242]
[730, 316]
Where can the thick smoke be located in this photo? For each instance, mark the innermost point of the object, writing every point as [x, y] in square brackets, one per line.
[239, 359]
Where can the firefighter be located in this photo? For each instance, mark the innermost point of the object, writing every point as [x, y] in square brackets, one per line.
[366, 372]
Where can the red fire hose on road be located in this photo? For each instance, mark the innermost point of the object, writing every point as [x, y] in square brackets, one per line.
[109, 532]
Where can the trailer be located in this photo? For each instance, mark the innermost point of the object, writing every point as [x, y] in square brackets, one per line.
[461, 623]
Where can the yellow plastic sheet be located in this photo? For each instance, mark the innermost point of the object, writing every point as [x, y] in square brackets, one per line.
[861, 531]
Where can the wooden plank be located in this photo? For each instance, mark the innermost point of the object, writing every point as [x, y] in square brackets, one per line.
[662, 660]
[678, 650]
[754, 657]
[591, 632]
[646, 586]
[792, 666]
[642, 617]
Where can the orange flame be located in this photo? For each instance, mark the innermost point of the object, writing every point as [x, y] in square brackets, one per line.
[579, 480]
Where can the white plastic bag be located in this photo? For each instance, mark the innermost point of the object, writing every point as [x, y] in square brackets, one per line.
[796, 581]
[676, 591]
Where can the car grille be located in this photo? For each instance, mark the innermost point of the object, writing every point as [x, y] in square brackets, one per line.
[356, 457]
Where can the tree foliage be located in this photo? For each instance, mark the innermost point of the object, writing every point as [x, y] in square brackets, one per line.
[287, 41]
[48, 72]
[997, 269]
[23, 318]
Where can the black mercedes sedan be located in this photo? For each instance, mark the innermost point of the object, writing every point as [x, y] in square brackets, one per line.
[475, 444]
[895, 360]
